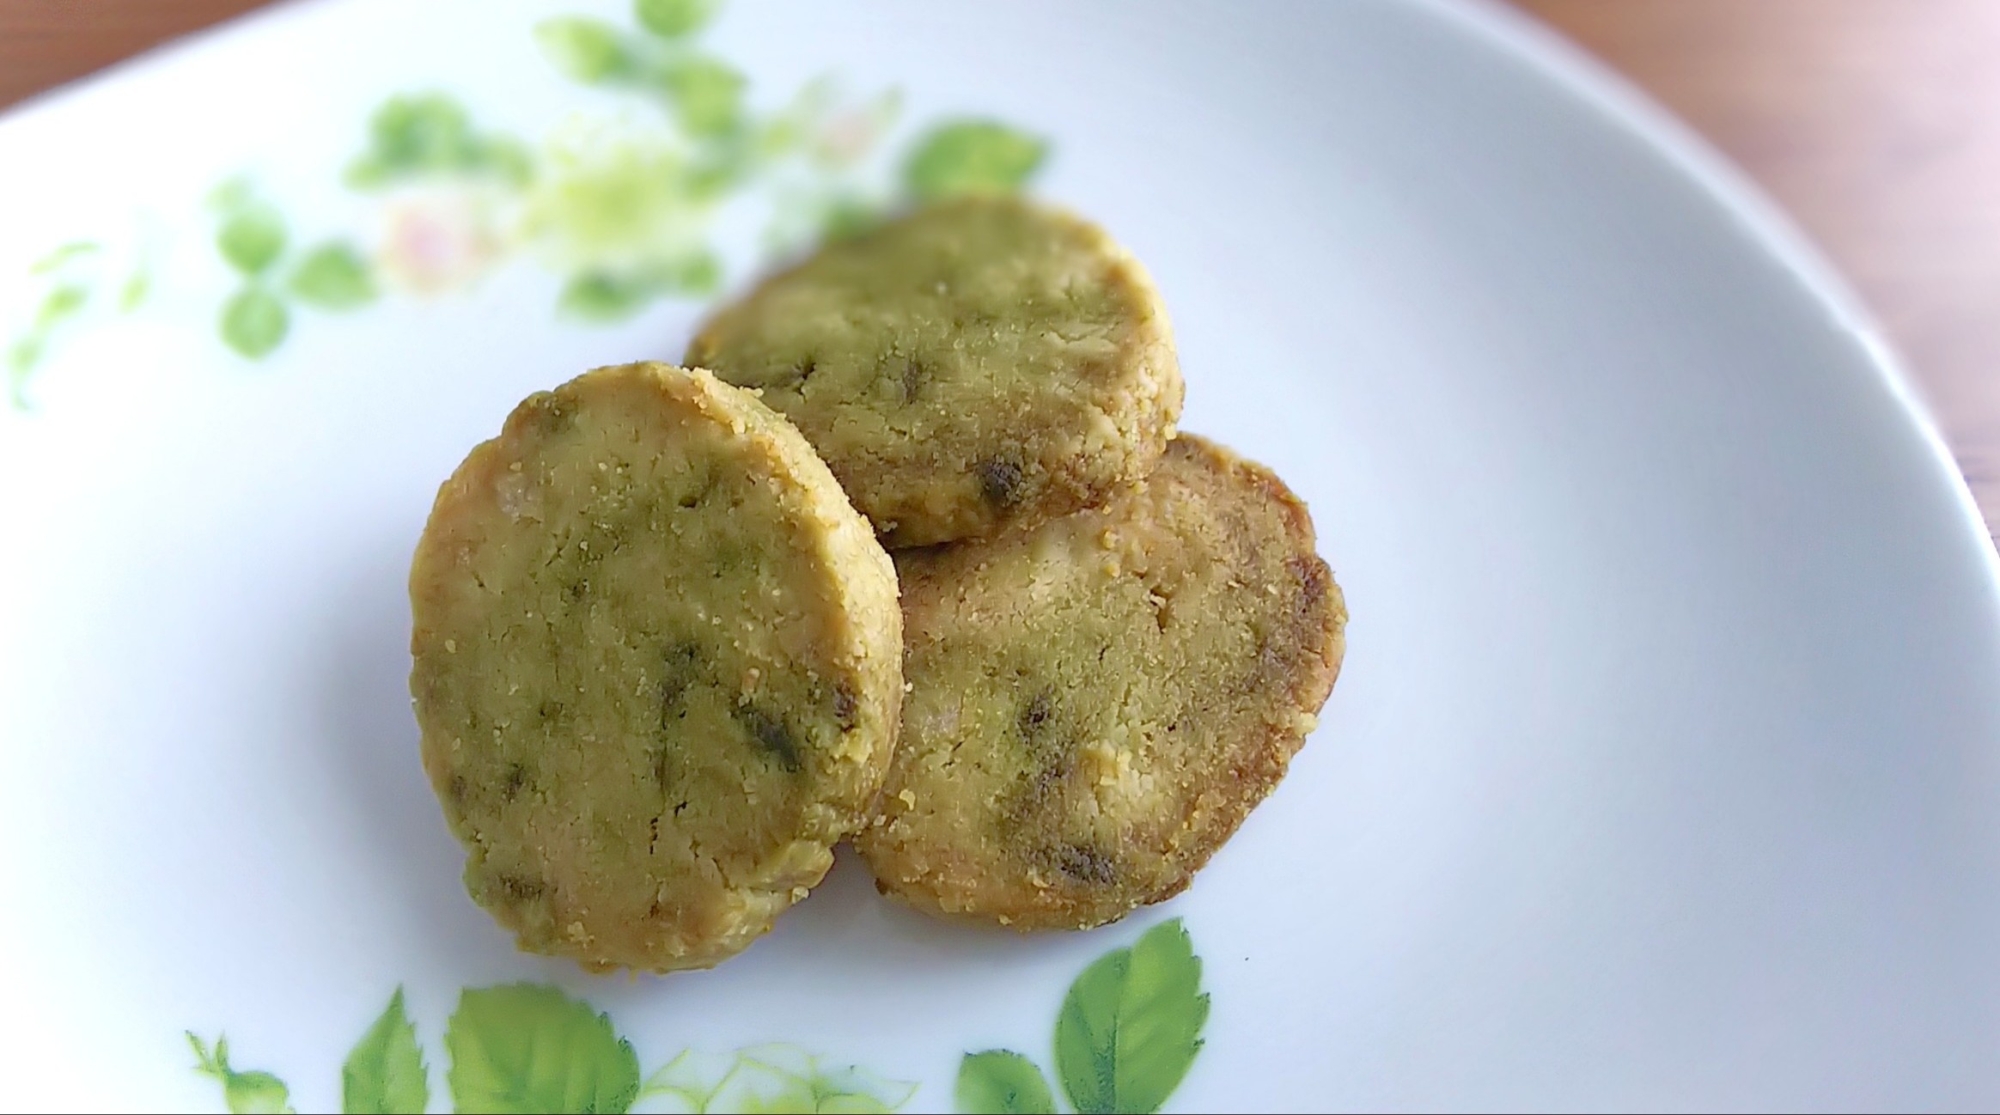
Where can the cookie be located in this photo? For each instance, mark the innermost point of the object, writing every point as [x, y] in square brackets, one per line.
[979, 363]
[657, 667]
[1097, 703]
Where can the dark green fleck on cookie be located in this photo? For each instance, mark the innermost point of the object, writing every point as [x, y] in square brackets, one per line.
[555, 415]
[1086, 865]
[999, 481]
[519, 888]
[915, 372]
[515, 781]
[663, 769]
[772, 735]
[1313, 581]
[680, 663]
[845, 706]
[1037, 792]
[1035, 715]
[699, 492]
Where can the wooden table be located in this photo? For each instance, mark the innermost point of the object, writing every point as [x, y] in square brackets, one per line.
[1876, 122]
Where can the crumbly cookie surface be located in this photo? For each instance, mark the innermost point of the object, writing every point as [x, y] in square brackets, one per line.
[1097, 703]
[657, 667]
[978, 363]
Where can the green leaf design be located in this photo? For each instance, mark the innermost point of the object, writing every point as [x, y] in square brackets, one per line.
[385, 1073]
[530, 1048]
[605, 296]
[232, 194]
[971, 156]
[333, 276]
[848, 217]
[597, 296]
[32, 346]
[427, 131]
[1002, 1082]
[245, 1093]
[695, 274]
[22, 356]
[254, 321]
[252, 237]
[65, 301]
[427, 134]
[1131, 1024]
[137, 285]
[62, 255]
[672, 19]
[707, 94]
[717, 173]
[847, 1104]
[507, 159]
[586, 50]
[692, 1079]
[775, 1078]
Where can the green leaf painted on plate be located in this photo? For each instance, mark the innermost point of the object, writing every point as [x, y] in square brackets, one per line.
[27, 351]
[774, 1078]
[423, 131]
[673, 19]
[507, 159]
[717, 172]
[385, 1073]
[134, 290]
[254, 321]
[333, 276]
[694, 274]
[22, 356]
[707, 94]
[245, 1093]
[597, 296]
[431, 134]
[849, 1105]
[251, 238]
[62, 255]
[1002, 1082]
[586, 50]
[530, 1048]
[232, 194]
[65, 301]
[1131, 1024]
[604, 296]
[971, 156]
[846, 217]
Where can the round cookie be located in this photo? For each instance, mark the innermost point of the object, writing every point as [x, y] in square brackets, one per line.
[1096, 704]
[657, 667]
[978, 363]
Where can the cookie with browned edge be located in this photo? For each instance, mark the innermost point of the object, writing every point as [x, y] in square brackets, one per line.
[1097, 703]
[657, 667]
[979, 363]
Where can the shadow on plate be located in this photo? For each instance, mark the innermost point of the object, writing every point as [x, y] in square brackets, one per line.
[371, 743]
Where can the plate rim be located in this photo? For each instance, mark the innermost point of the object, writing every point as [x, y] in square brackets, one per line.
[1751, 213]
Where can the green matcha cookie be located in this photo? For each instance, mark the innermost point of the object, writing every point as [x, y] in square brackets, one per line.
[657, 668]
[1097, 703]
[976, 364]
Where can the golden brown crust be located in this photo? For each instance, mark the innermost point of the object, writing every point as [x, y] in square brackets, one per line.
[656, 667]
[1097, 703]
[978, 364]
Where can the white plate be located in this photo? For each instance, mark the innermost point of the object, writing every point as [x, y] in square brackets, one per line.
[1663, 771]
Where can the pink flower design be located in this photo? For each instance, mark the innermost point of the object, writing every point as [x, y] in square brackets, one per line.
[437, 240]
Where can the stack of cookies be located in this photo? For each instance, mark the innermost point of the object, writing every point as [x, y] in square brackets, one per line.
[661, 665]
